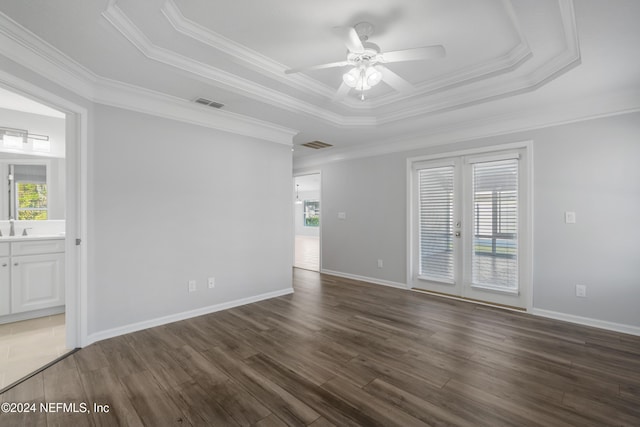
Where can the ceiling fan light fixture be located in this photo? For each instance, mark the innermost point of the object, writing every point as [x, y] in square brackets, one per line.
[373, 76]
[351, 77]
[362, 78]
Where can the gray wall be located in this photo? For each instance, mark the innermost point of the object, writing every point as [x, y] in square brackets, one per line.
[174, 202]
[590, 167]
[168, 202]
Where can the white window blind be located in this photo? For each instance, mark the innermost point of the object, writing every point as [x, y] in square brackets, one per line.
[435, 186]
[495, 224]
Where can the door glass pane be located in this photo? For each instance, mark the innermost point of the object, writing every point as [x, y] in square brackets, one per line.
[311, 213]
[436, 223]
[495, 224]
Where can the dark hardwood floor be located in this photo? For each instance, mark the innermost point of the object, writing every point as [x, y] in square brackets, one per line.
[341, 352]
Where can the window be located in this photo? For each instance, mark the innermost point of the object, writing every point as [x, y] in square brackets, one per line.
[28, 192]
[311, 213]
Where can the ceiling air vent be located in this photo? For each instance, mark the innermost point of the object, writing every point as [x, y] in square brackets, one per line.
[209, 103]
[316, 145]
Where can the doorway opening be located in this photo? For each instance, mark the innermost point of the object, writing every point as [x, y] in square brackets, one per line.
[37, 325]
[307, 222]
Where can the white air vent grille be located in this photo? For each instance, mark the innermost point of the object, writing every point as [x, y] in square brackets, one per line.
[316, 145]
[209, 103]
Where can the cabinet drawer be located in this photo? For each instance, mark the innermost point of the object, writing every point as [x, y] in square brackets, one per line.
[4, 249]
[34, 247]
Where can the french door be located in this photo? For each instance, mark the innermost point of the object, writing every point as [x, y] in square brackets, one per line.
[469, 227]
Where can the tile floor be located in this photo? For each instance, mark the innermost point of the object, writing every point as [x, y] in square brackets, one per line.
[307, 253]
[28, 345]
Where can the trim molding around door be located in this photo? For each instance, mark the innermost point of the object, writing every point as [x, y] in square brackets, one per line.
[76, 142]
[527, 145]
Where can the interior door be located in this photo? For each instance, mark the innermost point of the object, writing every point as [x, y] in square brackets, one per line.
[469, 227]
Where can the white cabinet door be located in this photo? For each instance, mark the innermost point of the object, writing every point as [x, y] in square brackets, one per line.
[37, 281]
[5, 287]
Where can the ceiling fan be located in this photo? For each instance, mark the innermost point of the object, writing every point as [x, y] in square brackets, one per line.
[367, 62]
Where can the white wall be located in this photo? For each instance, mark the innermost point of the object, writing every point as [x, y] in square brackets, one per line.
[174, 202]
[591, 168]
[300, 228]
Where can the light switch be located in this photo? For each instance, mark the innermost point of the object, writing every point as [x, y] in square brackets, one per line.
[570, 217]
[342, 215]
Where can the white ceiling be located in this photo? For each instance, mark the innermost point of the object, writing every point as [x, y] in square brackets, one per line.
[510, 64]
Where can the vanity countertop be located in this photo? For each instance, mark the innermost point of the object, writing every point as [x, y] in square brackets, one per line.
[32, 237]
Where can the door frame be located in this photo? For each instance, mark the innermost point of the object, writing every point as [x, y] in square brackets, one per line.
[526, 257]
[320, 228]
[76, 255]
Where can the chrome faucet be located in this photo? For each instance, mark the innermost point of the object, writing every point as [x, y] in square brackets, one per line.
[12, 230]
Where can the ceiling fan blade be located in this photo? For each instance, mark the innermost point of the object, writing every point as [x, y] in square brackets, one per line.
[343, 90]
[394, 80]
[316, 67]
[416, 54]
[350, 38]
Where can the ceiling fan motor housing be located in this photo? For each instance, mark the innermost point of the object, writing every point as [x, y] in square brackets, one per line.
[370, 55]
[364, 30]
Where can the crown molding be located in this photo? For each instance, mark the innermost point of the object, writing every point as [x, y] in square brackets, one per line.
[26, 49]
[120, 21]
[122, 95]
[273, 69]
[592, 108]
[506, 63]
[440, 94]
[555, 67]
[491, 68]
[258, 62]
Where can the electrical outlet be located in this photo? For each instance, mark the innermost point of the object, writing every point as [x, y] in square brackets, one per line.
[212, 282]
[380, 264]
[581, 291]
[569, 217]
[192, 285]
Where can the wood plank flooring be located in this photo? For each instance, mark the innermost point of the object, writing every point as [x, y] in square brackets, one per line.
[344, 353]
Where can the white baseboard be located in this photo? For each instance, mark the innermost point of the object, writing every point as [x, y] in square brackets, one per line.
[126, 329]
[365, 279]
[587, 321]
[10, 318]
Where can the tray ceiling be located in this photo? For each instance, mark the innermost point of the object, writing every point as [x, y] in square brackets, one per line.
[235, 53]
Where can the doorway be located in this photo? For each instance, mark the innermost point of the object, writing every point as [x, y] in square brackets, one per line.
[307, 222]
[469, 226]
[46, 164]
